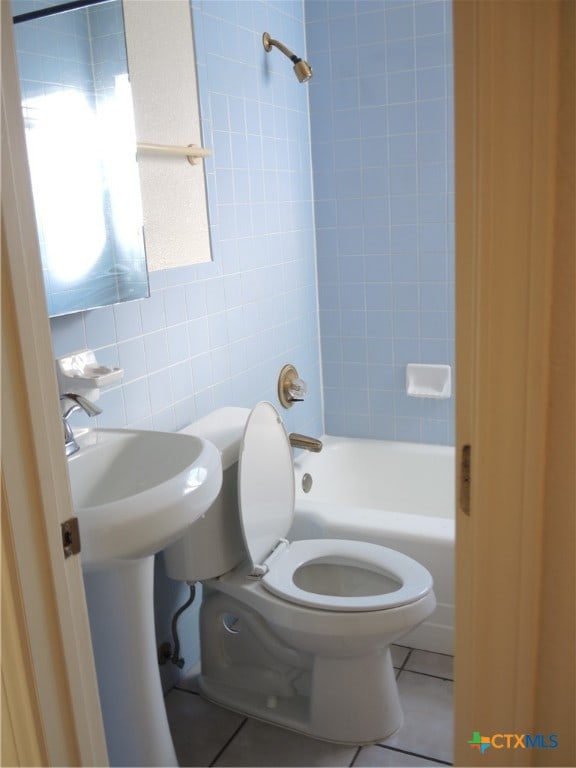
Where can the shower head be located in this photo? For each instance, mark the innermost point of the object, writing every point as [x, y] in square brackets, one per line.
[302, 69]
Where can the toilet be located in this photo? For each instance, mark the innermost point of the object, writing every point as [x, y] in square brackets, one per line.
[295, 633]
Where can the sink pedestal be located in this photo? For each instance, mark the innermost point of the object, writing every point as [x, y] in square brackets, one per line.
[135, 492]
[121, 609]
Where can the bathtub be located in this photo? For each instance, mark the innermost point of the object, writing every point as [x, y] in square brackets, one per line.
[400, 495]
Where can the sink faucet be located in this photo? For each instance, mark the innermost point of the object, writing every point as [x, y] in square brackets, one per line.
[79, 404]
[303, 441]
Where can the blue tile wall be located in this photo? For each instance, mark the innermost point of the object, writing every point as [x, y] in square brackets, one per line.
[381, 108]
[218, 334]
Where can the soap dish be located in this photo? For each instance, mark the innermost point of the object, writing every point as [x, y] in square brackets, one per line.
[433, 381]
[100, 376]
[82, 371]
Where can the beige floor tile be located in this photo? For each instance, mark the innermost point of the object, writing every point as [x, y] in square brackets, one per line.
[431, 664]
[380, 757]
[199, 729]
[261, 744]
[427, 705]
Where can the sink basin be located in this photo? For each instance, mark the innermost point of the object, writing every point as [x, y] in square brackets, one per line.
[136, 491]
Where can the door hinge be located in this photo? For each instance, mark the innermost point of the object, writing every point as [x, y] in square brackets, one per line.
[465, 478]
[70, 537]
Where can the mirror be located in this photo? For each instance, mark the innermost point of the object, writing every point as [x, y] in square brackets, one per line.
[77, 108]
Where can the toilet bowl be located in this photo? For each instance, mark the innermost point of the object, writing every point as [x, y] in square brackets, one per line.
[296, 633]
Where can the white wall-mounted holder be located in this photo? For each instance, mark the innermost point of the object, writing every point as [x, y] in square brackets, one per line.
[433, 381]
[81, 374]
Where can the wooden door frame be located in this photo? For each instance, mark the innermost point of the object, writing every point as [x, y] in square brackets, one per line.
[508, 60]
[51, 710]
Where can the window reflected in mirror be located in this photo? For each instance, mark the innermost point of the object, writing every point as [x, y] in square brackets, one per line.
[79, 123]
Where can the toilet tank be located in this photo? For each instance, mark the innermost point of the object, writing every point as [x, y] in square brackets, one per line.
[213, 544]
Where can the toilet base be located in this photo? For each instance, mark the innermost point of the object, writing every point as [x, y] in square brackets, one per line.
[341, 714]
[245, 667]
[355, 700]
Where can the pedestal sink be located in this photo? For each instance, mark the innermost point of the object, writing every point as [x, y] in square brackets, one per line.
[134, 492]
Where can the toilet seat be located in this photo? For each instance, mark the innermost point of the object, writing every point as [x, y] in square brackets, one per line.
[325, 574]
[390, 578]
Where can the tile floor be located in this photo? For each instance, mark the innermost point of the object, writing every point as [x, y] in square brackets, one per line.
[207, 735]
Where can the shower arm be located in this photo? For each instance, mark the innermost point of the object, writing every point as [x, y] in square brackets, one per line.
[269, 42]
[302, 69]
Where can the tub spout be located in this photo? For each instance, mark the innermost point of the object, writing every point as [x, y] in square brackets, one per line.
[303, 441]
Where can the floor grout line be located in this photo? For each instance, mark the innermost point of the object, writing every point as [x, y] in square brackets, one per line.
[355, 756]
[429, 674]
[230, 740]
[401, 667]
[414, 754]
[431, 653]
[185, 690]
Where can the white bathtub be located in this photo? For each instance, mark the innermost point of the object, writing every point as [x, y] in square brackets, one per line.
[400, 495]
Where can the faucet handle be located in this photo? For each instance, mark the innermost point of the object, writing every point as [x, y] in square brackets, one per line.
[297, 390]
[80, 402]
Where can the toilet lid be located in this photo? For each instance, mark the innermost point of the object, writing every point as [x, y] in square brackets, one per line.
[265, 482]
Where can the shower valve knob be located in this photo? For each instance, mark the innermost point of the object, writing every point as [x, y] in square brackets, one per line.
[298, 390]
[291, 388]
